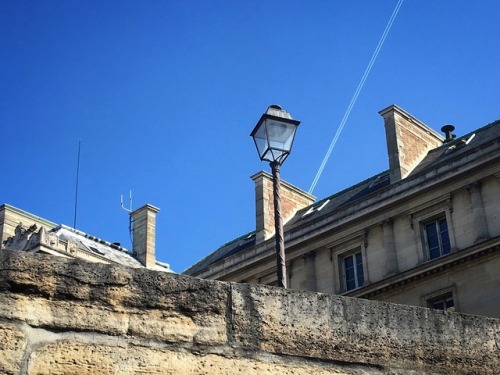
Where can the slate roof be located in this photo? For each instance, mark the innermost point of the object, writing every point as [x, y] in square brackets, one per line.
[111, 251]
[226, 250]
[334, 202]
[442, 155]
[458, 147]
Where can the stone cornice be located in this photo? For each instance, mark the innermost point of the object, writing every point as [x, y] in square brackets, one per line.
[426, 269]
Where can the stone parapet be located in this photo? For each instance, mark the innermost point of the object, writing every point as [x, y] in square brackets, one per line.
[63, 316]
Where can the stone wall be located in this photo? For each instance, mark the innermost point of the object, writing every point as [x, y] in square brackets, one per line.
[65, 316]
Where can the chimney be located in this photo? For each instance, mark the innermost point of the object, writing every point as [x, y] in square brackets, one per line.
[408, 141]
[292, 200]
[143, 233]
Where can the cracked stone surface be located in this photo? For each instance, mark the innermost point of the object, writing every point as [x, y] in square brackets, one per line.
[65, 316]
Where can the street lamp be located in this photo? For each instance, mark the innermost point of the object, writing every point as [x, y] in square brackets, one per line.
[273, 136]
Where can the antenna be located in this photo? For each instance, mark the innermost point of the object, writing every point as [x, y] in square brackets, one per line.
[76, 189]
[129, 210]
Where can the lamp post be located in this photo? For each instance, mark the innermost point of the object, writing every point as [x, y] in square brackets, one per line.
[273, 136]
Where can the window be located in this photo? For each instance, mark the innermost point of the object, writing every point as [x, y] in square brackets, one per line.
[443, 302]
[353, 271]
[437, 238]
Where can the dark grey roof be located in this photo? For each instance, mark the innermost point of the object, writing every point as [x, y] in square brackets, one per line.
[226, 250]
[327, 206]
[458, 147]
[333, 202]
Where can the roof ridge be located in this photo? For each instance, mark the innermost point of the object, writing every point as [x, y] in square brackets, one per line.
[97, 240]
[352, 187]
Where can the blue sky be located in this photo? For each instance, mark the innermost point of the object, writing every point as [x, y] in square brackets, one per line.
[163, 96]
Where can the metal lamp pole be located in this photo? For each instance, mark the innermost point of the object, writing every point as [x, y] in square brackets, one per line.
[273, 136]
[278, 226]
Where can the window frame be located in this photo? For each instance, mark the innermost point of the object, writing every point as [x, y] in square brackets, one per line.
[424, 216]
[340, 257]
[358, 277]
[441, 296]
[441, 246]
[344, 246]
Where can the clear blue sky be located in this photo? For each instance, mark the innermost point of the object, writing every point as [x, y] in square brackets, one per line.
[163, 96]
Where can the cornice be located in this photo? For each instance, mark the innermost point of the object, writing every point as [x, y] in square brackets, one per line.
[434, 267]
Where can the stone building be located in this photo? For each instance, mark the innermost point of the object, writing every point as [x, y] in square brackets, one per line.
[425, 232]
[22, 231]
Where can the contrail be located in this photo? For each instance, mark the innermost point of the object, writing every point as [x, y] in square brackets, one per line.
[356, 94]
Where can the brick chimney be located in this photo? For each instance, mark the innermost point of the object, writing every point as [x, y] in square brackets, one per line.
[408, 141]
[143, 233]
[292, 200]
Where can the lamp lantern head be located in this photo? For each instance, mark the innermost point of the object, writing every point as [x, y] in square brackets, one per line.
[274, 134]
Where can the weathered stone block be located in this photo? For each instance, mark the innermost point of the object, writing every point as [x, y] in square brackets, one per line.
[60, 316]
[111, 299]
[353, 330]
[12, 346]
[70, 357]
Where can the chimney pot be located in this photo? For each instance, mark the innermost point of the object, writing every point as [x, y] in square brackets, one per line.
[447, 130]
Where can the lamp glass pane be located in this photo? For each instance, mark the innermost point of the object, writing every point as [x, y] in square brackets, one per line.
[260, 138]
[261, 144]
[280, 134]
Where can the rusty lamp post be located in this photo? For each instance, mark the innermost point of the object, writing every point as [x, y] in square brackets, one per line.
[273, 136]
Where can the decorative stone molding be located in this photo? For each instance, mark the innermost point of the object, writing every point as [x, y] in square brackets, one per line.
[390, 247]
[480, 225]
[474, 187]
[21, 239]
[310, 269]
[72, 247]
[309, 256]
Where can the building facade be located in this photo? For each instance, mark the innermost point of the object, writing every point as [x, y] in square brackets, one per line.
[426, 232]
[23, 231]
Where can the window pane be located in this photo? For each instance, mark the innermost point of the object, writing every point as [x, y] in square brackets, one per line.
[434, 253]
[438, 305]
[432, 238]
[449, 303]
[350, 275]
[438, 240]
[353, 271]
[349, 262]
[350, 284]
[444, 302]
[359, 270]
[445, 238]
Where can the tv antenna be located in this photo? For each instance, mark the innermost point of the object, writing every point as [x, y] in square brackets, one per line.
[129, 210]
[76, 185]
